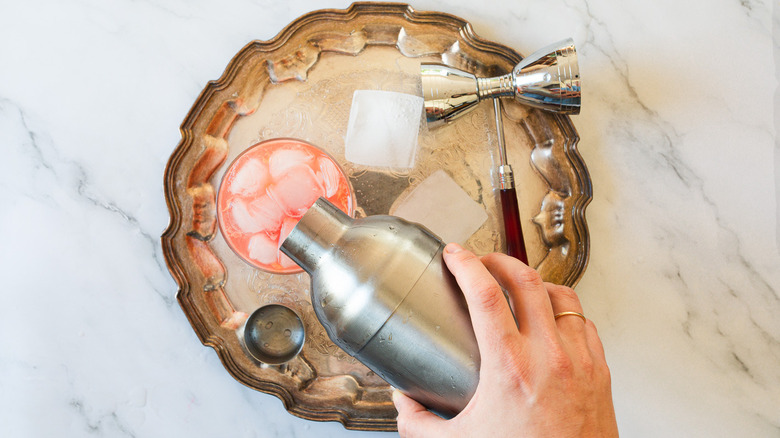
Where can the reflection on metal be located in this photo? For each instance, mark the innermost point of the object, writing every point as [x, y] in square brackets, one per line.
[548, 79]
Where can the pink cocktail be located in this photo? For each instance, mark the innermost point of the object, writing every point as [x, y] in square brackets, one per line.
[267, 189]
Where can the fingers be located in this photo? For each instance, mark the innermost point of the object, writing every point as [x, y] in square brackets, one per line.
[564, 299]
[526, 290]
[594, 341]
[535, 303]
[571, 327]
[413, 419]
[580, 337]
[490, 314]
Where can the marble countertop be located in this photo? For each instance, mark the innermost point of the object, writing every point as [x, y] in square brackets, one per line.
[684, 274]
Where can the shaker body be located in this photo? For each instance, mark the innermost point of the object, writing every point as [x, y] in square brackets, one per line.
[383, 294]
[427, 348]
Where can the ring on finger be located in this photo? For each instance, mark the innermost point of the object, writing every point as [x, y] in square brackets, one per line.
[558, 315]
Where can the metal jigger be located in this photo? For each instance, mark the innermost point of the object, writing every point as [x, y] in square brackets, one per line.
[548, 79]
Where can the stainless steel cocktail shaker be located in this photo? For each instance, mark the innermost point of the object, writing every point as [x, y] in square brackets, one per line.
[383, 294]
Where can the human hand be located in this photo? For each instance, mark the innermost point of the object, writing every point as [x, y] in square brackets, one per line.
[541, 377]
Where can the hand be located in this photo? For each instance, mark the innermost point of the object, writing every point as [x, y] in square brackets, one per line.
[541, 377]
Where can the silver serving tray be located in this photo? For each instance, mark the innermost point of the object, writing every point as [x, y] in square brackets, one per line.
[300, 84]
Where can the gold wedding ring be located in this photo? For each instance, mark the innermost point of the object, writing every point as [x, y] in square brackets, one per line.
[558, 315]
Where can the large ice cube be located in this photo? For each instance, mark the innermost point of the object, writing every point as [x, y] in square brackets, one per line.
[328, 175]
[440, 204]
[241, 218]
[262, 249]
[250, 178]
[261, 214]
[285, 158]
[296, 190]
[268, 215]
[383, 128]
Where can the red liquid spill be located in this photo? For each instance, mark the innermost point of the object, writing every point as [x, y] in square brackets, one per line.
[267, 189]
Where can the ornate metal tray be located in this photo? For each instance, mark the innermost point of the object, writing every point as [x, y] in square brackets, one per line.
[300, 84]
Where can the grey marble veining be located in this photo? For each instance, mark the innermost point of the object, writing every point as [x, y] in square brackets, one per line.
[678, 130]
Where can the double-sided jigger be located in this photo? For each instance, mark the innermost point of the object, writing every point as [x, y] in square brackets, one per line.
[548, 79]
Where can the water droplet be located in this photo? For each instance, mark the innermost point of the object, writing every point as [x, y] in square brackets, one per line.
[265, 345]
[269, 324]
[287, 332]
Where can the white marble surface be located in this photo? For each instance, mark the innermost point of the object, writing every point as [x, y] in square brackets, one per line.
[678, 131]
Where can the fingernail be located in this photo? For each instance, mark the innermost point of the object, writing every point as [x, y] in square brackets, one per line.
[452, 248]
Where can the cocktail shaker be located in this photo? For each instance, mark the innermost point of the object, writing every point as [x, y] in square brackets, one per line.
[381, 290]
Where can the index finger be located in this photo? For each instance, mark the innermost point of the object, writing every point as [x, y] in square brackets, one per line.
[490, 314]
[527, 292]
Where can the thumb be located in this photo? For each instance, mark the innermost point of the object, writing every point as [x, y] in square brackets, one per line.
[414, 420]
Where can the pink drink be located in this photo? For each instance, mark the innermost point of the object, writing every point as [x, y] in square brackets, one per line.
[267, 189]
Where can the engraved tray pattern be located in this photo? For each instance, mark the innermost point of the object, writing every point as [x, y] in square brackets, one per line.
[300, 85]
